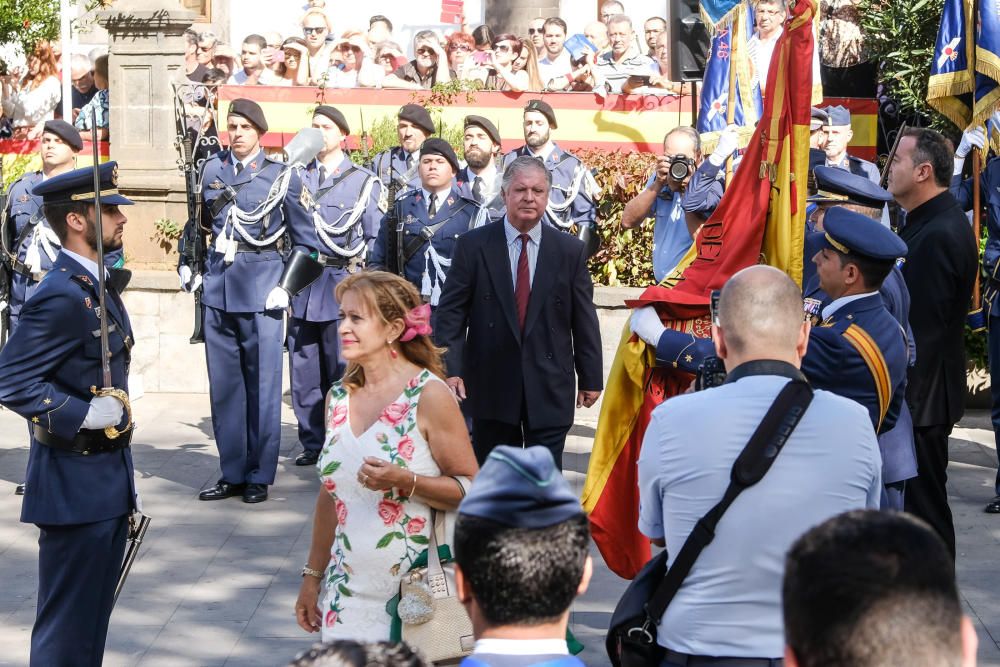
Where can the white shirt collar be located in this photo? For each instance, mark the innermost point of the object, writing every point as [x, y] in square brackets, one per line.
[85, 262]
[837, 304]
[546, 151]
[489, 176]
[534, 234]
[441, 195]
[521, 646]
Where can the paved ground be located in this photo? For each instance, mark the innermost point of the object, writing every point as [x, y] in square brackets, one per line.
[216, 582]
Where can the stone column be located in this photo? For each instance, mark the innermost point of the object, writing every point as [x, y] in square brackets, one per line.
[146, 55]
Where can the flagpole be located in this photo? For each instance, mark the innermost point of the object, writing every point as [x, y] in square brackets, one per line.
[731, 103]
[976, 169]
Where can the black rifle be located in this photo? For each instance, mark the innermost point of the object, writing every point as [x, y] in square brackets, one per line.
[192, 245]
[6, 265]
[884, 177]
[393, 234]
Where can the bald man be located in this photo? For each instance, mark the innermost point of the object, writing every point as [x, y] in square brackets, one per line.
[597, 32]
[730, 602]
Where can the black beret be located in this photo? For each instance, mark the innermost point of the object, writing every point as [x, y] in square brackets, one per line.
[521, 488]
[435, 146]
[64, 131]
[251, 111]
[544, 109]
[486, 125]
[334, 115]
[417, 115]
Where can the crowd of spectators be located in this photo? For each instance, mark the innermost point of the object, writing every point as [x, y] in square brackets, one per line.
[608, 57]
[32, 94]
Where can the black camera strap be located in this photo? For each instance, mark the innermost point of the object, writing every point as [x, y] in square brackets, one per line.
[750, 467]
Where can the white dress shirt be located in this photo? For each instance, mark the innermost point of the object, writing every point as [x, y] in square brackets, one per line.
[85, 262]
[521, 646]
[837, 304]
[514, 249]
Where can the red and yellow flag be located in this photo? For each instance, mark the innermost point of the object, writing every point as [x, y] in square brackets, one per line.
[761, 219]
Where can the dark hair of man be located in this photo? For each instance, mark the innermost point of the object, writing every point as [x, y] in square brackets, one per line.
[555, 20]
[214, 75]
[55, 215]
[350, 653]
[873, 271]
[522, 576]
[256, 40]
[866, 588]
[378, 18]
[932, 147]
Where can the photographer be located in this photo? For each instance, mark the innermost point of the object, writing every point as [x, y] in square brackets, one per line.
[665, 199]
[730, 602]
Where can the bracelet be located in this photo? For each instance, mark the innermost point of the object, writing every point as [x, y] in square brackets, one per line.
[309, 572]
[414, 489]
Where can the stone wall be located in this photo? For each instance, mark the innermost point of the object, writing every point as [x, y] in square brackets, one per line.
[164, 360]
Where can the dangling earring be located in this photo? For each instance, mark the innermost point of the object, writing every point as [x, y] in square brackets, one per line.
[392, 350]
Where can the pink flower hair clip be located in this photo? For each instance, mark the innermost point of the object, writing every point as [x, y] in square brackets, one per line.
[418, 323]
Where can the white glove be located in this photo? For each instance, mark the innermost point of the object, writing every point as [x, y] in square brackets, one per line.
[645, 324]
[729, 141]
[189, 283]
[104, 411]
[278, 299]
[3, 305]
[974, 137]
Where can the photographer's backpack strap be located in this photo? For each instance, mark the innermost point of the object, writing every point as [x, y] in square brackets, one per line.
[753, 462]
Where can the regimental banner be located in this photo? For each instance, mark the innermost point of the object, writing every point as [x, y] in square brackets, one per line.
[621, 122]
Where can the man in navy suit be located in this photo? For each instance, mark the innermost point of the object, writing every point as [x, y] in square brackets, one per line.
[342, 199]
[244, 305]
[80, 488]
[517, 318]
[417, 238]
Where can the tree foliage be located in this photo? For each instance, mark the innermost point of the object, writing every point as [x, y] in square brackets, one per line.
[25, 22]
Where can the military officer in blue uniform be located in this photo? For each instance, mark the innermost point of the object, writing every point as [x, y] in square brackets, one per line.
[80, 489]
[571, 200]
[838, 137]
[29, 243]
[342, 199]
[480, 179]
[417, 236]
[972, 139]
[858, 350]
[399, 164]
[250, 203]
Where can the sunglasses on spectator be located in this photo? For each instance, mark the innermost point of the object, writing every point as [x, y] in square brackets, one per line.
[536, 31]
[425, 52]
[503, 47]
[464, 48]
[387, 58]
[205, 49]
[313, 31]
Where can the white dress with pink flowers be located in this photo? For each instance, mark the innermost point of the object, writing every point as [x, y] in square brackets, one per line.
[379, 534]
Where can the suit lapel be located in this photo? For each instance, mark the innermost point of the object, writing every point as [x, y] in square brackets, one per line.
[547, 266]
[498, 264]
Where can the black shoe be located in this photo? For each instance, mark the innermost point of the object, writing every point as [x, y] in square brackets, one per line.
[993, 507]
[19, 490]
[255, 493]
[221, 490]
[307, 458]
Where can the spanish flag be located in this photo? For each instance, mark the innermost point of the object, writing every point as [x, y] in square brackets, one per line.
[761, 219]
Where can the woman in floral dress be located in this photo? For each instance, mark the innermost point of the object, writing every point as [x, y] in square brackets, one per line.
[395, 441]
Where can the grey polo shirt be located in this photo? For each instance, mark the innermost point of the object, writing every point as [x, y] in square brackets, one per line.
[730, 602]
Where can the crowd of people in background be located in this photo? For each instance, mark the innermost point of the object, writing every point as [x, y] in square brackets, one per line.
[32, 94]
[611, 56]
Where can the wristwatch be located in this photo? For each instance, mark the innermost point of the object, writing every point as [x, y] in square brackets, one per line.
[309, 572]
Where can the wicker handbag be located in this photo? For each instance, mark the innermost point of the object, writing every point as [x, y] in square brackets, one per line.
[433, 620]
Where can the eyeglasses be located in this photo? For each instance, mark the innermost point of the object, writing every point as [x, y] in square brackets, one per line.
[463, 48]
[387, 58]
[205, 49]
[425, 52]
[313, 31]
[503, 47]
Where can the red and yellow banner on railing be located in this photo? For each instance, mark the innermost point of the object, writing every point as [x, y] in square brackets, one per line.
[20, 157]
[618, 122]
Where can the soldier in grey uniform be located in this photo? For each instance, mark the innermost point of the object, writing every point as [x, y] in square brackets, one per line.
[571, 205]
[399, 163]
[480, 178]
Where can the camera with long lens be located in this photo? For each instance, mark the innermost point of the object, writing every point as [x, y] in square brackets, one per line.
[681, 166]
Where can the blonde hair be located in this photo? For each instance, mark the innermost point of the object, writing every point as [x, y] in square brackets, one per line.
[391, 298]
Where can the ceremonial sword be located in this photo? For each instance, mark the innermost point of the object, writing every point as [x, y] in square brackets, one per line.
[137, 524]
